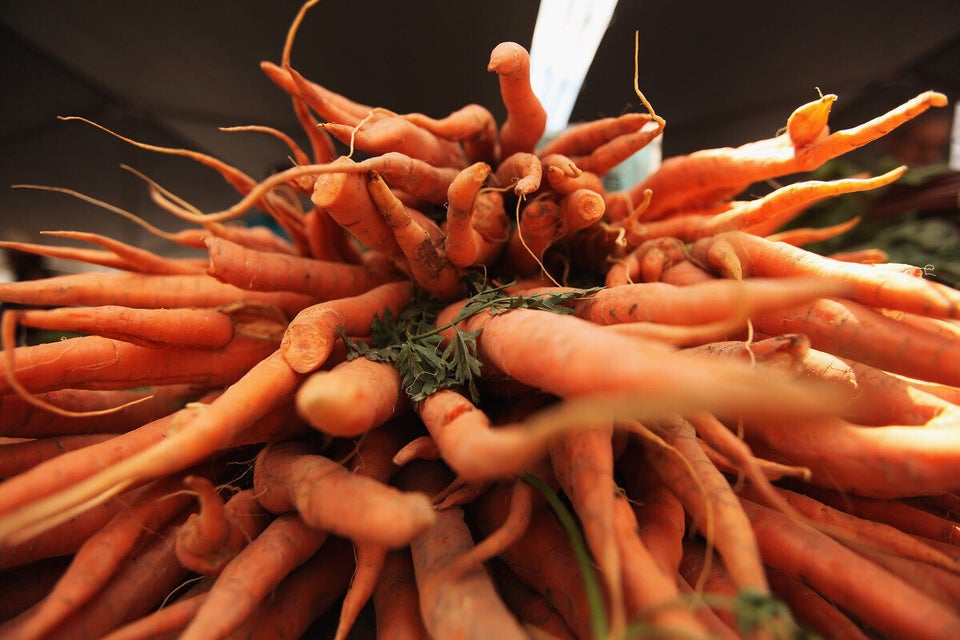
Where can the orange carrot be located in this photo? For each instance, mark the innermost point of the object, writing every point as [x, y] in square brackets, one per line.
[753, 256]
[310, 337]
[330, 498]
[140, 584]
[328, 104]
[373, 459]
[462, 241]
[607, 156]
[522, 172]
[15, 458]
[392, 133]
[262, 271]
[472, 125]
[102, 258]
[212, 537]
[542, 558]
[533, 610]
[583, 464]
[890, 606]
[141, 290]
[539, 226]
[291, 609]
[713, 175]
[19, 418]
[134, 258]
[97, 560]
[351, 398]
[648, 590]
[462, 603]
[812, 609]
[583, 138]
[428, 267]
[170, 619]
[526, 118]
[93, 362]
[564, 176]
[187, 327]
[680, 462]
[396, 601]
[246, 581]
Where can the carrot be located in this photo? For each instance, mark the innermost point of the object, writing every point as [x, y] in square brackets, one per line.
[97, 560]
[519, 511]
[141, 290]
[261, 413]
[212, 537]
[395, 600]
[564, 176]
[462, 603]
[397, 134]
[472, 125]
[521, 172]
[15, 458]
[583, 138]
[812, 609]
[309, 591]
[421, 448]
[142, 581]
[542, 559]
[526, 118]
[713, 175]
[62, 540]
[771, 210]
[605, 157]
[373, 459]
[874, 596]
[538, 227]
[329, 498]
[352, 397]
[101, 258]
[462, 242]
[428, 267]
[162, 623]
[534, 611]
[134, 258]
[800, 236]
[510, 343]
[660, 516]
[93, 362]
[285, 543]
[188, 327]
[649, 592]
[262, 271]
[807, 125]
[712, 505]
[583, 464]
[879, 462]
[758, 257]
[699, 567]
[328, 104]
[701, 303]
[309, 338]
[858, 332]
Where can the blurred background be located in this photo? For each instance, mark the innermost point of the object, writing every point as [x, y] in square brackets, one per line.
[170, 72]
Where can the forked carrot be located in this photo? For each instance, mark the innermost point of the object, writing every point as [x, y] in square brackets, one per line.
[585, 137]
[392, 133]
[472, 125]
[521, 172]
[461, 244]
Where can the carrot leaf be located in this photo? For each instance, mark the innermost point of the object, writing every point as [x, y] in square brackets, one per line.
[412, 343]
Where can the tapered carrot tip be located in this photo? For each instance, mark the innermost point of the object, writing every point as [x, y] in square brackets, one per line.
[808, 123]
[507, 58]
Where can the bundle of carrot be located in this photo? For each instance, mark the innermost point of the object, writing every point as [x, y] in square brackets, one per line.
[470, 393]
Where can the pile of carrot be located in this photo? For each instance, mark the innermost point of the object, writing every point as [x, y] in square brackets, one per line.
[468, 392]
